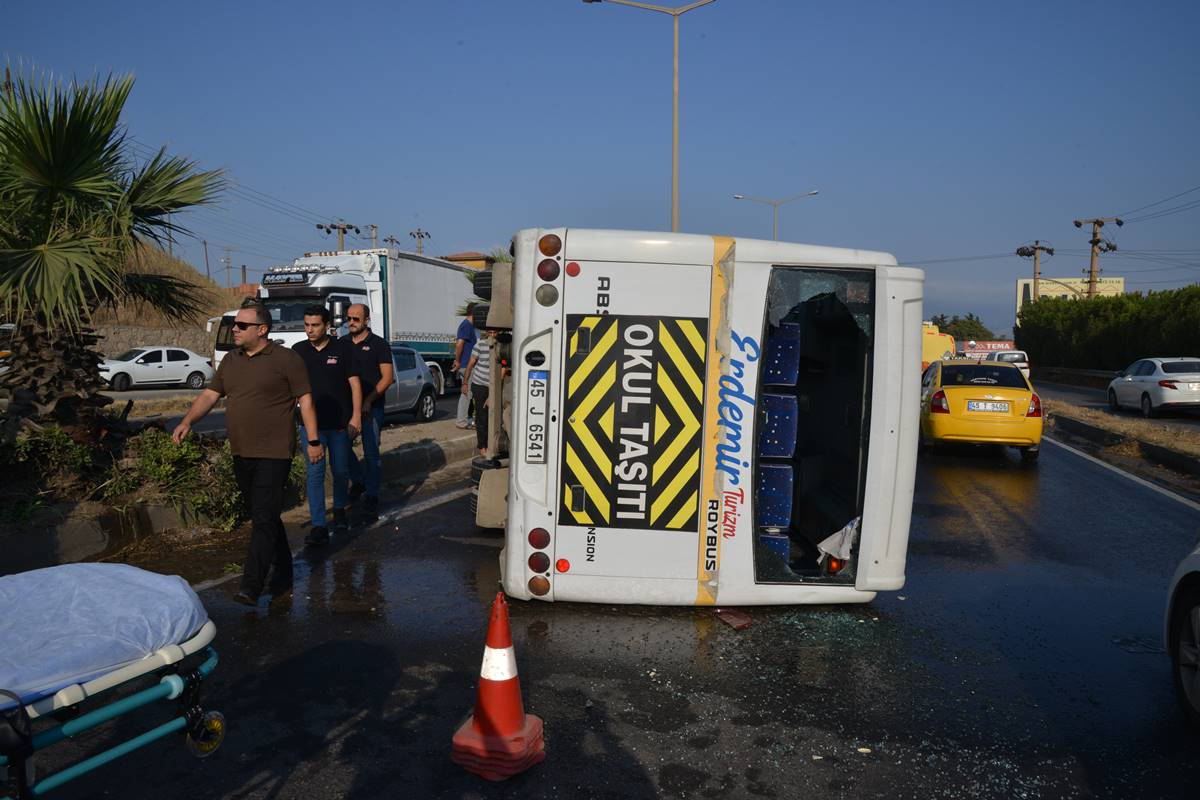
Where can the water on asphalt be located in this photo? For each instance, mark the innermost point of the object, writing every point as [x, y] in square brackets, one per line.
[1023, 658]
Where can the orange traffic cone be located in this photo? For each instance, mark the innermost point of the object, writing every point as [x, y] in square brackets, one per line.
[499, 740]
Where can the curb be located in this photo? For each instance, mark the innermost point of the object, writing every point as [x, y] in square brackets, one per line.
[1182, 462]
[83, 538]
[425, 456]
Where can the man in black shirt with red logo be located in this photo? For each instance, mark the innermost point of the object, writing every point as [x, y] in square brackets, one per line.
[337, 395]
[373, 360]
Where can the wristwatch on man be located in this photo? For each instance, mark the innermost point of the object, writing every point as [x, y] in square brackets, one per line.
[314, 442]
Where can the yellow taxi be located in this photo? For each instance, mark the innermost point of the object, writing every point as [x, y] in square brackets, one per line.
[980, 402]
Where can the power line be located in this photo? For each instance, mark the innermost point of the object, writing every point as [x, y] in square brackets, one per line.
[1159, 202]
[954, 260]
[1167, 212]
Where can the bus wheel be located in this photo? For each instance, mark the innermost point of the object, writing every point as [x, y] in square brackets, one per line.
[120, 382]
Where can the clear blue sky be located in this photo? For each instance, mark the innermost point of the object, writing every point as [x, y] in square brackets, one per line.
[933, 130]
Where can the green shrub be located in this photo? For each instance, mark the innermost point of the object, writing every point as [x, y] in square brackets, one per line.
[51, 452]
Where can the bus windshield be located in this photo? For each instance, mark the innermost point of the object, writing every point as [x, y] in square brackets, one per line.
[814, 401]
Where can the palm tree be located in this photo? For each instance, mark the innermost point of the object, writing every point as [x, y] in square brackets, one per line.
[75, 210]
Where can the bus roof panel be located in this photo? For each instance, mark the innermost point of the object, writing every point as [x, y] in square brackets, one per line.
[649, 247]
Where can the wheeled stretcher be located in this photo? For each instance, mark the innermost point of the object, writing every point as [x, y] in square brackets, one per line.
[82, 644]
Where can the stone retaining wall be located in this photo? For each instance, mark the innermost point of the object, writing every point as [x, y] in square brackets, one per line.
[119, 338]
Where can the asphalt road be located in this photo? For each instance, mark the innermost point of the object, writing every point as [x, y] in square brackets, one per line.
[1097, 399]
[1022, 659]
[214, 421]
[162, 393]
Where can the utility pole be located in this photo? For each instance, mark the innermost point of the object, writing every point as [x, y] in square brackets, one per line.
[393, 241]
[1025, 251]
[374, 236]
[227, 260]
[207, 272]
[243, 274]
[420, 236]
[1099, 246]
[341, 226]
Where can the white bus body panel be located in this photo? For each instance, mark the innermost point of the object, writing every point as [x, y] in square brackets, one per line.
[671, 277]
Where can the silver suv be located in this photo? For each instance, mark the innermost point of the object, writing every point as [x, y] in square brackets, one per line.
[413, 389]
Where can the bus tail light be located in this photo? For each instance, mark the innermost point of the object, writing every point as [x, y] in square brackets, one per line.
[550, 245]
[546, 294]
[539, 538]
[548, 269]
[1169, 384]
[572, 269]
[539, 586]
[562, 565]
[938, 404]
[834, 565]
[539, 562]
[1035, 406]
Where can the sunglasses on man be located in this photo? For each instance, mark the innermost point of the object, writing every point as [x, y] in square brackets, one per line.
[241, 326]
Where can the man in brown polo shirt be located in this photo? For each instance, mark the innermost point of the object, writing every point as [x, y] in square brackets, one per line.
[261, 382]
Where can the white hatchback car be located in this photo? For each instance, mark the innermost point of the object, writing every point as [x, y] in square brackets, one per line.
[1182, 634]
[156, 366]
[1155, 384]
[1018, 358]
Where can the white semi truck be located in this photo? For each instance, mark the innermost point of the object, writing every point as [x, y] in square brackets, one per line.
[414, 301]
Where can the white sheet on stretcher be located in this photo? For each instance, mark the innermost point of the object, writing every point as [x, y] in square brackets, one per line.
[68, 624]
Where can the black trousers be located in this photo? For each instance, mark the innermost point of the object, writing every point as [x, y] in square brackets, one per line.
[480, 396]
[261, 481]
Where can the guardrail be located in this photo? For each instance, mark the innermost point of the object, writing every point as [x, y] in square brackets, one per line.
[1091, 378]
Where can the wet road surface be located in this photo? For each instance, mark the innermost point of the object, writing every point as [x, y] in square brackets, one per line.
[1097, 399]
[1022, 659]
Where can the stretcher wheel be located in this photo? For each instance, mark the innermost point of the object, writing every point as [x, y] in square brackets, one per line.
[208, 734]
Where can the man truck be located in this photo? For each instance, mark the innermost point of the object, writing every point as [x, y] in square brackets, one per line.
[414, 301]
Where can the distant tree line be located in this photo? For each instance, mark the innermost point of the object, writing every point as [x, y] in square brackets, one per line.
[963, 329]
[1110, 332]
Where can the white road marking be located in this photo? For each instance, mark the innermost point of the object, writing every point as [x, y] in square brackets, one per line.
[1152, 486]
[407, 511]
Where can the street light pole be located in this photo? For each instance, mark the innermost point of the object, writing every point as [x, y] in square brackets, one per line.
[676, 13]
[775, 204]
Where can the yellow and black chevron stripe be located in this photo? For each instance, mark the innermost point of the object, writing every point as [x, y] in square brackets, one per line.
[667, 412]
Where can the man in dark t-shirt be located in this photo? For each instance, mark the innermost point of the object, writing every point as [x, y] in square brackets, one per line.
[373, 361]
[337, 395]
[262, 382]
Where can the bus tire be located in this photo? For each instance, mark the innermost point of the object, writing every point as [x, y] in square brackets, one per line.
[120, 382]
[483, 284]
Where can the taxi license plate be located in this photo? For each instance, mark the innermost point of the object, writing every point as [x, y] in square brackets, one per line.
[535, 416]
[987, 405]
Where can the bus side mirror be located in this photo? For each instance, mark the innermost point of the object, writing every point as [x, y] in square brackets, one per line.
[339, 313]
